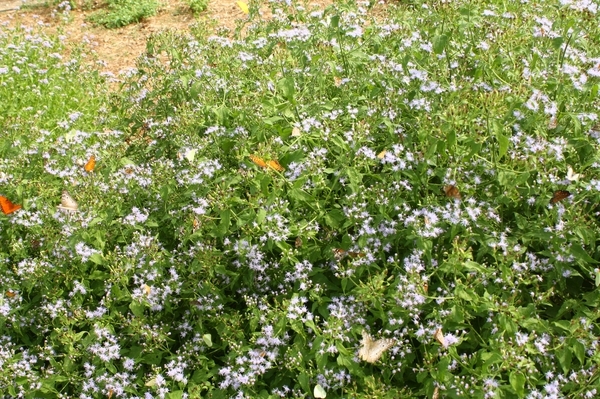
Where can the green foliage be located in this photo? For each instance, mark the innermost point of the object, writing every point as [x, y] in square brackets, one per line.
[197, 6]
[124, 12]
[196, 265]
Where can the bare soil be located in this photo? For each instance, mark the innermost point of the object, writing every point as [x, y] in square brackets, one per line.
[119, 48]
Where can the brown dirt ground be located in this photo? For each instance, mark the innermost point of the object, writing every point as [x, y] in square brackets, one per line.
[119, 48]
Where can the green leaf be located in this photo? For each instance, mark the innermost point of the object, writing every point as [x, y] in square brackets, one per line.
[287, 89]
[517, 382]
[97, 258]
[466, 294]
[175, 395]
[99, 275]
[578, 350]
[137, 309]
[153, 358]
[346, 361]
[303, 379]
[565, 358]
[334, 218]
[432, 149]
[502, 144]
[475, 148]
[151, 223]
[260, 217]
[490, 359]
[335, 21]
[224, 224]
[581, 254]
[301, 195]
[474, 267]
[450, 138]
[439, 43]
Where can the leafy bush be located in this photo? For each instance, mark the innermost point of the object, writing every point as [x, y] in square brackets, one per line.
[258, 203]
[197, 6]
[124, 12]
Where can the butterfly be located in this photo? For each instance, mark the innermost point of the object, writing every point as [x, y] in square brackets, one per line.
[258, 161]
[439, 337]
[451, 191]
[7, 206]
[381, 155]
[11, 294]
[571, 175]
[340, 254]
[273, 164]
[559, 195]
[319, 392]
[372, 350]
[67, 202]
[91, 164]
[243, 6]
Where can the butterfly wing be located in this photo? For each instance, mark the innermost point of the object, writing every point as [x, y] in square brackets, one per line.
[67, 202]
[452, 191]
[258, 161]
[559, 195]
[339, 254]
[7, 206]
[243, 6]
[439, 337]
[371, 350]
[273, 164]
[366, 344]
[91, 164]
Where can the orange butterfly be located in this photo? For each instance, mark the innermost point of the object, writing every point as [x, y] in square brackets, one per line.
[10, 294]
[273, 164]
[452, 191]
[559, 195]
[7, 206]
[258, 160]
[91, 164]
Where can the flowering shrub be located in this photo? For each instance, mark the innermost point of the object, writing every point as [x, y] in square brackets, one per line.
[323, 202]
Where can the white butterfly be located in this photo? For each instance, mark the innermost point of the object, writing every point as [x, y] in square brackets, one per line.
[372, 350]
[571, 175]
[67, 202]
[319, 392]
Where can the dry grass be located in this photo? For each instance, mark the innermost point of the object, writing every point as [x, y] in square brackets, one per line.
[119, 48]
